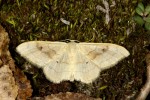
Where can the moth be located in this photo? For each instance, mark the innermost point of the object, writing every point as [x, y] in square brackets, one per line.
[72, 60]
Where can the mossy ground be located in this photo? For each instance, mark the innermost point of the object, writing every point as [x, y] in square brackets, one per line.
[27, 20]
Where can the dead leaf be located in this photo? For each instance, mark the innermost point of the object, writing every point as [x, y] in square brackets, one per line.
[15, 83]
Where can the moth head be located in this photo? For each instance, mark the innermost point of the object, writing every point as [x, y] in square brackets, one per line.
[70, 41]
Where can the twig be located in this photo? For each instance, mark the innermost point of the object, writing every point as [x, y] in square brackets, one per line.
[106, 9]
[146, 88]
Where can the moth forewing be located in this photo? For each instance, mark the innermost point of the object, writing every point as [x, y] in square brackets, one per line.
[103, 55]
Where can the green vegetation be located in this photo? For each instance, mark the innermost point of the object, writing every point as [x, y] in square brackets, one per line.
[143, 17]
